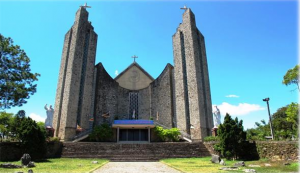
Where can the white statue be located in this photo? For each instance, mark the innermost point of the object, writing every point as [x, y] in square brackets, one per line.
[133, 114]
[217, 117]
[49, 119]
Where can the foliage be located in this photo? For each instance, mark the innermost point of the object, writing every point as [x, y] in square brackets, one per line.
[232, 136]
[60, 165]
[285, 123]
[167, 134]
[53, 139]
[292, 113]
[101, 133]
[30, 134]
[42, 127]
[5, 124]
[203, 165]
[262, 129]
[211, 138]
[292, 76]
[16, 80]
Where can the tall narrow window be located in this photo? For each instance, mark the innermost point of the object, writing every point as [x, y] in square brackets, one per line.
[133, 105]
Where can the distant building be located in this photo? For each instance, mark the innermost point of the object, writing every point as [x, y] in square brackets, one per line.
[87, 95]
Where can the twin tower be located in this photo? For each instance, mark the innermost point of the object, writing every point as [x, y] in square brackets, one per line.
[180, 97]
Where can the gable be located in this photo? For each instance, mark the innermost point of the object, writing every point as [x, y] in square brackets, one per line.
[134, 78]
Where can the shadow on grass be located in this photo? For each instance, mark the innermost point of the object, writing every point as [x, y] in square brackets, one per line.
[42, 161]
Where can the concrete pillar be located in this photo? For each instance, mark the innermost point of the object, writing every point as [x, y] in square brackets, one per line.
[117, 134]
[149, 134]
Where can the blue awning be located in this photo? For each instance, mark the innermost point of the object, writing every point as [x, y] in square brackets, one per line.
[133, 123]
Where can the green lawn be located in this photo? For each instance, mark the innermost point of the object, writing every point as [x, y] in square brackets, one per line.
[198, 165]
[60, 165]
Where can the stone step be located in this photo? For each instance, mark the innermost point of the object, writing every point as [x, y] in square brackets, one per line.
[134, 152]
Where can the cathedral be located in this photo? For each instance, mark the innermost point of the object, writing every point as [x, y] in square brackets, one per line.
[134, 102]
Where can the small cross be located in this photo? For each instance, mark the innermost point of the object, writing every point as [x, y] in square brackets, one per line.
[85, 6]
[134, 57]
[184, 8]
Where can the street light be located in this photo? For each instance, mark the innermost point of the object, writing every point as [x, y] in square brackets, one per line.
[267, 100]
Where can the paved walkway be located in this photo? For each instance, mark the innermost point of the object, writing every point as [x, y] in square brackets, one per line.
[136, 167]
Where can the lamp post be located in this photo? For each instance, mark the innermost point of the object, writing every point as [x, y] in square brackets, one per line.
[271, 127]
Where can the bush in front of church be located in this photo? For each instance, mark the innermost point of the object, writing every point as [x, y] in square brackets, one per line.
[101, 133]
[31, 135]
[167, 135]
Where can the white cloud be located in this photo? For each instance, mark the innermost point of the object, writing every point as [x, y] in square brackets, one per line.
[116, 72]
[240, 109]
[232, 96]
[36, 117]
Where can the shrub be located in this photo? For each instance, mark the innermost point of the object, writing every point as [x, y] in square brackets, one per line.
[53, 139]
[167, 134]
[211, 138]
[232, 136]
[101, 133]
[32, 137]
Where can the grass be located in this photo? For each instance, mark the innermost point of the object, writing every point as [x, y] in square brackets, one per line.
[198, 165]
[60, 165]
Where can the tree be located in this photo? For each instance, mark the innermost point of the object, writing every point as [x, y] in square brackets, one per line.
[232, 136]
[262, 129]
[5, 124]
[285, 123]
[32, 137]
[292, 113]
[16, 79]
[292, 76]
[283, 129]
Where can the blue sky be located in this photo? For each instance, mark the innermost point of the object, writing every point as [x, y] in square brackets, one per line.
[249, 44]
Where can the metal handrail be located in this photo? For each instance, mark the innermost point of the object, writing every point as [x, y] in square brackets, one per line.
[86, 132]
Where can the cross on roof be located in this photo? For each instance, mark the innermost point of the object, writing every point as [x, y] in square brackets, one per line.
[85, 6]
[134, 57]
[184, 8]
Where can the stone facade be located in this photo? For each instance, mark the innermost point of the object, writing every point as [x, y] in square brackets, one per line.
[179, 97]
[134, 78]
[74, 90]
[193, 99]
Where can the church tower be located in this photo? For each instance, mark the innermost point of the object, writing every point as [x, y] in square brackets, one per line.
[193, 108]
[75, 84]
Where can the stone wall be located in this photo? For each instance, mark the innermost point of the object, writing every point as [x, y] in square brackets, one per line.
[144, 103]
[106, 97]
[156, 98]
[12, 151]
[162, 98]
[274, 150]
[123, 103]
[278, 150]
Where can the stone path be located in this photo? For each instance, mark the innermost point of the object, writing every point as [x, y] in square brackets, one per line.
[136, 167]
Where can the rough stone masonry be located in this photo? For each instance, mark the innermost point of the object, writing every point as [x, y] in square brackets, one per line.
[180, 97]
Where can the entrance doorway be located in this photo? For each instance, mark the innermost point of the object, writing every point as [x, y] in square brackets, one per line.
[133, 135]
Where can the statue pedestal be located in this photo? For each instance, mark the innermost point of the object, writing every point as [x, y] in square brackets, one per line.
[50, 131]
[214, 131]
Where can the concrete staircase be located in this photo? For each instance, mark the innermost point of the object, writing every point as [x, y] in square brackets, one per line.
[134, 152]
